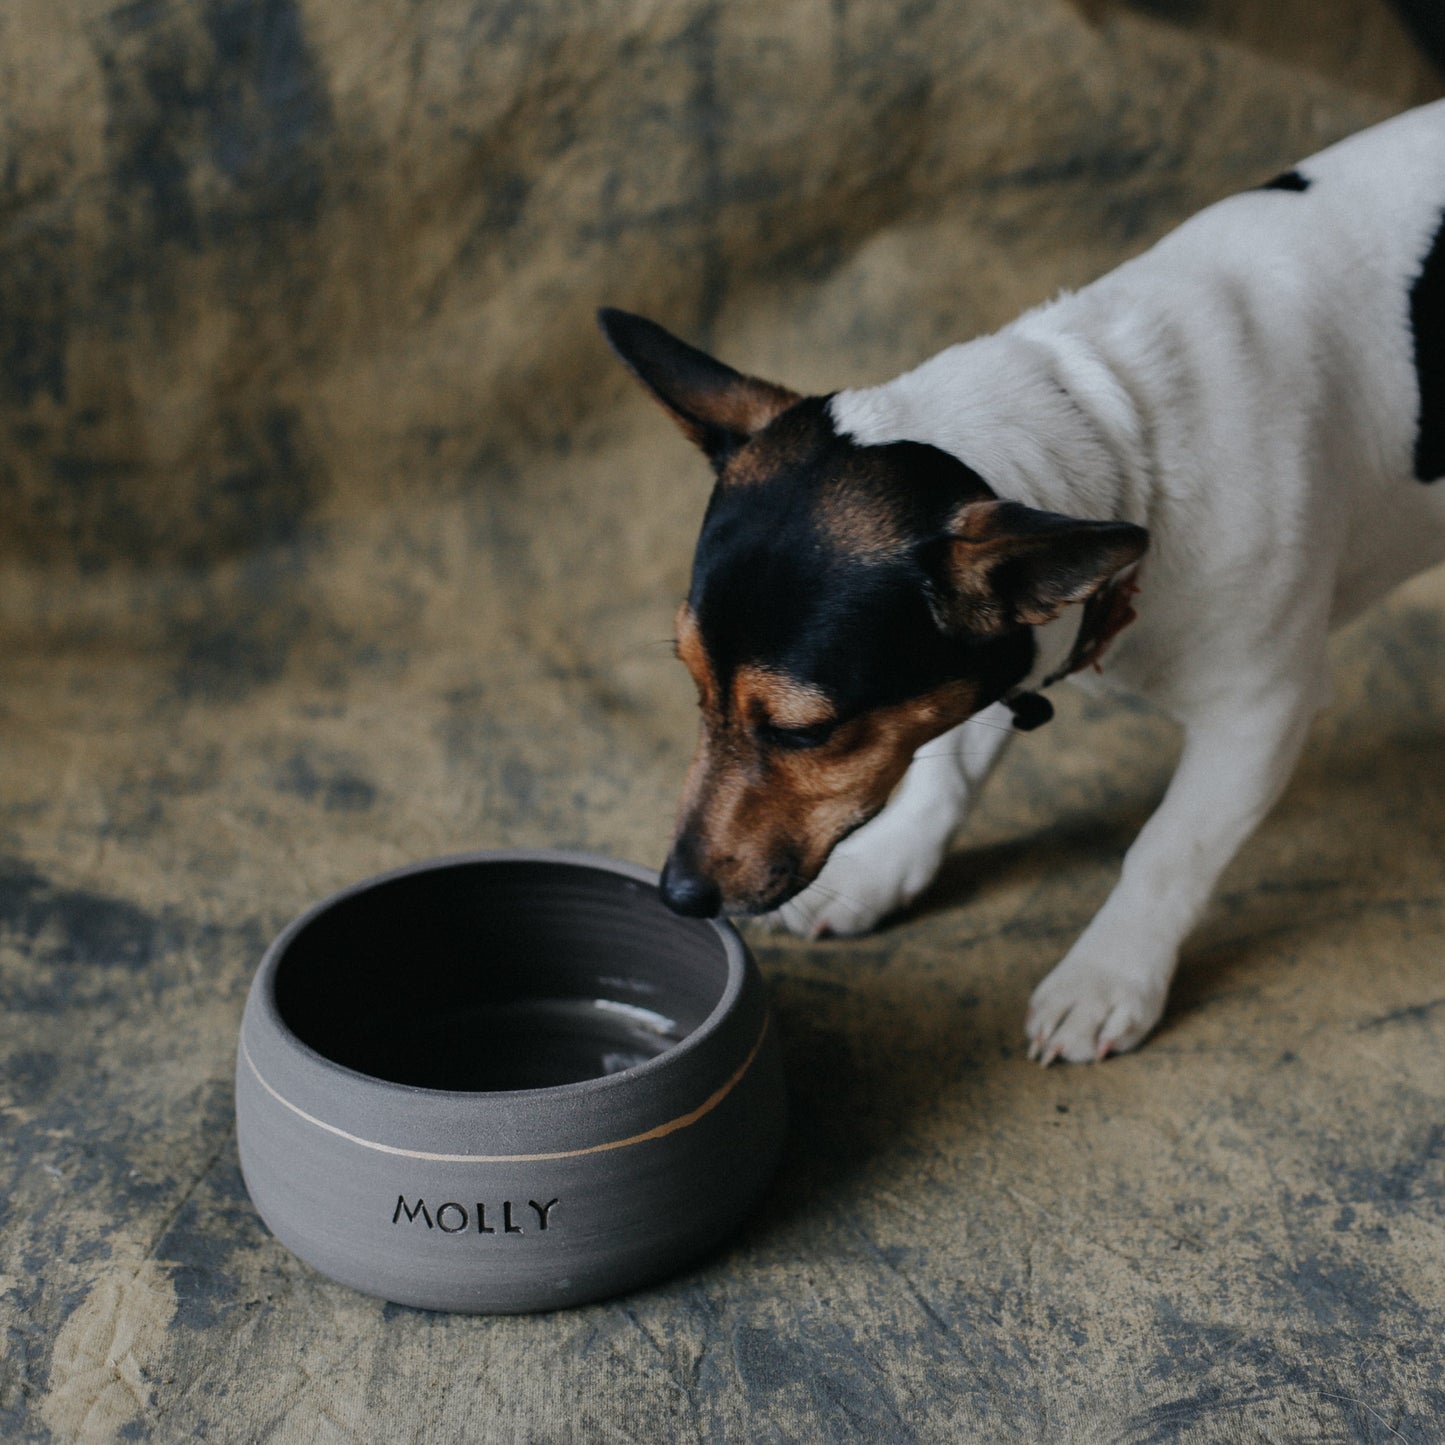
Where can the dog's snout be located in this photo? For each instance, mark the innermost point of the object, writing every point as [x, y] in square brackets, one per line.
[684, 888]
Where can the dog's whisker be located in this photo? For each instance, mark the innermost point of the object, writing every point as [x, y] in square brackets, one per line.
[856, 908]
[648, 647]
[950, 751]
[978, 722]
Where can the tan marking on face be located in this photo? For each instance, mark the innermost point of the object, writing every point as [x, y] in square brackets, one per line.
[762, 820]
[1056, 561]
[745, 407]
[760, 694]
[975, 521]
[693, 656]
[860, 522]
[853, 509]
[748, 406]
[786, 442]
[751, 466]
[978, 546]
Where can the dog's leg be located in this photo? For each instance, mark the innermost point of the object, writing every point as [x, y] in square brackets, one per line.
[891, 859]
[1109, 991]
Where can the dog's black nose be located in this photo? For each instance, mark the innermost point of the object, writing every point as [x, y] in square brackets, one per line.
[687, 892]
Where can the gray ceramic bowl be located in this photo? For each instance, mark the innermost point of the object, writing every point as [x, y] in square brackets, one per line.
[505, 1081]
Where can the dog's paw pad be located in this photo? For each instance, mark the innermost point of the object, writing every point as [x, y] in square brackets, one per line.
[1083, 1014]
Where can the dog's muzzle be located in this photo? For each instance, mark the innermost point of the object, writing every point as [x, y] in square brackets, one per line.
[685, 890]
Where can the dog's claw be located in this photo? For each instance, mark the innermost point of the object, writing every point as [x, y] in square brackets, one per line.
[1085, 1013]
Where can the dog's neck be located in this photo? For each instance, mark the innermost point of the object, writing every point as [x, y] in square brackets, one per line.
[1035, 410]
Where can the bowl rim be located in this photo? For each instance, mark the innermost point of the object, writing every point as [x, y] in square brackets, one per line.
[735, 955]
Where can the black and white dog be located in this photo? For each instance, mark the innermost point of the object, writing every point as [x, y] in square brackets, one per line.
[1257, 404]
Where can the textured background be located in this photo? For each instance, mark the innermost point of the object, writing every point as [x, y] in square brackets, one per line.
[333, 539]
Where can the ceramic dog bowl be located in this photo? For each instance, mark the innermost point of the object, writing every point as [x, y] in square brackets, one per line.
[505, 1081]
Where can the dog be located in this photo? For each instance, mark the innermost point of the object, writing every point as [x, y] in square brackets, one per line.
[1172, 483]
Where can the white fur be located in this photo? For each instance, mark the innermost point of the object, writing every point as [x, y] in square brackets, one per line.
[1247, 391]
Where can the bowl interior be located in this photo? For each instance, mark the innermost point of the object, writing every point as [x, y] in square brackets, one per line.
[498, 975]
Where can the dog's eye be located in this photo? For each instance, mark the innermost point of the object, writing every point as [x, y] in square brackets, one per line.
[815, 735]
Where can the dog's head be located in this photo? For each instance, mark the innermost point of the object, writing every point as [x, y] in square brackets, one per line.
[848, 603]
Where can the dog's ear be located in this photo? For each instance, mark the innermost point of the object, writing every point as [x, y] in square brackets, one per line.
[716, 407]
[1002, 564]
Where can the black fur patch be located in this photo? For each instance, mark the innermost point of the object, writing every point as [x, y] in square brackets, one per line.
[1427, 322]
[771, 586]
[1288, 181]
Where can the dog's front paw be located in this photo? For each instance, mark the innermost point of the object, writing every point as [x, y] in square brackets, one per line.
[1083, 1012]
[866, 878]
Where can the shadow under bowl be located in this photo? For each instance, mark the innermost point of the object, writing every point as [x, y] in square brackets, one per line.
[506, 1081]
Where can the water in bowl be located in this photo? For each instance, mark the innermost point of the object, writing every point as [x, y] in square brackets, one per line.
[525, 1043]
